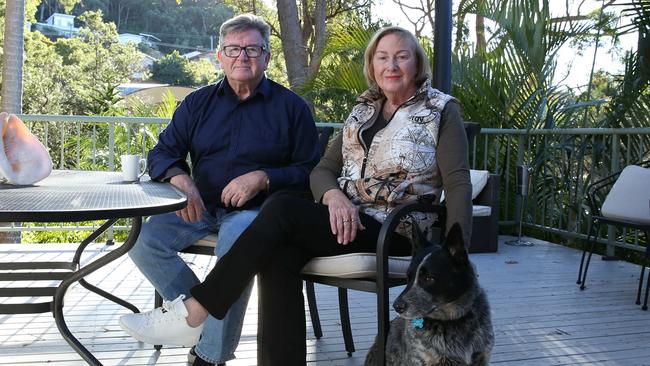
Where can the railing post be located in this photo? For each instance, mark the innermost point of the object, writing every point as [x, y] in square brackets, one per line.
[78, 145]
[62, 149]
[520, 161]
[111, 147]
[111, 167]
[615, 166]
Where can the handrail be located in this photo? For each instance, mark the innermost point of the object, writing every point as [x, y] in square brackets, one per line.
[577, 155]
[566, 131]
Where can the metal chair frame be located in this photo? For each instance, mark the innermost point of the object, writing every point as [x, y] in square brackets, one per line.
[382, 283]
[594, 192]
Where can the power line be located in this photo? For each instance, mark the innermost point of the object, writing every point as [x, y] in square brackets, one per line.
[168, 34]
[174, 45]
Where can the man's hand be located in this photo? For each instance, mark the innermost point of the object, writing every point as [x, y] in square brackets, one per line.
[344, 216]
[193, 212]
[243, 188]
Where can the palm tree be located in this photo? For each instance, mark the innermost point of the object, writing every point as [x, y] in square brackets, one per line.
[340, 78]
[12, 73]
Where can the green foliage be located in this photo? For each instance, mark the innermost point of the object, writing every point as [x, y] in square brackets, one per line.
[174, 69]
[44, 92]
[30, 9]
[511, 86]
[82, 72]
[340, 78]
[138, 108]
[71, 236]
[188, 24]
[277, 70]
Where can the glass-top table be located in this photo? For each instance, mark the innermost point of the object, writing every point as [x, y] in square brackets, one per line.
[70, 196]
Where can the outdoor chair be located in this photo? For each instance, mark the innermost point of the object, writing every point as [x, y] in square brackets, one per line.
[627, 204]
[377, 272]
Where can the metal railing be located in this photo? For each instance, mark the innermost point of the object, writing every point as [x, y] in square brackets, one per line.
[564, 162]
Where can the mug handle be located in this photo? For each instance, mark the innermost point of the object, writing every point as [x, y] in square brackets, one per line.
[143, 167]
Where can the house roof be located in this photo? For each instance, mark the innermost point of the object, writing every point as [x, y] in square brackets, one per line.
[191, 55]
[59, 15]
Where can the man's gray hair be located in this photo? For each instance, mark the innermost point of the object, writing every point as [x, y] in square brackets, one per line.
[245, 22]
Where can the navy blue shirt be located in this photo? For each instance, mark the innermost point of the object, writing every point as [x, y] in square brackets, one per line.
[272, 130]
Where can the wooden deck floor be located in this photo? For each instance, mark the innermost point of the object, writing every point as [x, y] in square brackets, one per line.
[540, 315]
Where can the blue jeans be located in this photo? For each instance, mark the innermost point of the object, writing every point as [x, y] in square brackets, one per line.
[156, 255]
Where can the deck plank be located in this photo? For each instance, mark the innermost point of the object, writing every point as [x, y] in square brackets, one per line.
[540, 315]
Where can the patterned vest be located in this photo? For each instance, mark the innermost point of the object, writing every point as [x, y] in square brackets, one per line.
[400, 163]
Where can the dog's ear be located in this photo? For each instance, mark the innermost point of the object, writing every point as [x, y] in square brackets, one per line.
[456, 245]
[418, 238]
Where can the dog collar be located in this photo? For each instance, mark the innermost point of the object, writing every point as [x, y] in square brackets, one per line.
[417, 323]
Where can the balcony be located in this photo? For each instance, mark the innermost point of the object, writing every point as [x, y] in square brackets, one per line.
[540, 315]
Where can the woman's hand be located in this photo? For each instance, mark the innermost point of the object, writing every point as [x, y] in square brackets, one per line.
[193, 212]
[344, 216]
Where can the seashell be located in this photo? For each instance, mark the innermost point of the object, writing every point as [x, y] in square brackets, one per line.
[23, 159]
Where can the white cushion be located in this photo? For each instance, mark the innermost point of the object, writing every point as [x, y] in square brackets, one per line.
[479, 179]
[629, 198]
[207, 241]
[480, 211]
[356, 265]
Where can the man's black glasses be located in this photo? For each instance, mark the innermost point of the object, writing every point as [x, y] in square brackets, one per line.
[251, 51]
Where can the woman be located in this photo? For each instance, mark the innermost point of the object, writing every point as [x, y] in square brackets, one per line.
[402, 139]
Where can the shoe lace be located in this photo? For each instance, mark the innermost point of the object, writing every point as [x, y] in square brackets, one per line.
[167, 306]
[170, 305]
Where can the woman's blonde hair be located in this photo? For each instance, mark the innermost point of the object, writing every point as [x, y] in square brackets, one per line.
[422, 62]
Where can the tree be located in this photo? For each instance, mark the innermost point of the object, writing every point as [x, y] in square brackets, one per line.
[418, 15]
[44, 92]
[172, 69]
[302, 28]
[54, 6]
[96, 63]
[175, 69]
[180, 25]
[340, 78]
[12, 71]
[303, 31]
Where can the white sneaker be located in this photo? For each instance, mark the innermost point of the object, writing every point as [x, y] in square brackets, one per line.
[165, 325]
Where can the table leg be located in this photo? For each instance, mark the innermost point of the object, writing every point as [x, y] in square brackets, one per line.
[78, 277]
[108, 296]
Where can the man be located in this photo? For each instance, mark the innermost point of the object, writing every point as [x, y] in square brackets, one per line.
[247, 136]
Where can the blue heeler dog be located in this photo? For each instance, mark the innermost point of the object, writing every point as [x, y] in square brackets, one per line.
[443, 314]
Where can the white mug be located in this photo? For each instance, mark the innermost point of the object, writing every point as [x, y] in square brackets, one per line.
[133, 167]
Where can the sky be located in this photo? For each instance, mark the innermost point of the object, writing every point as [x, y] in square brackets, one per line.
[574, 65]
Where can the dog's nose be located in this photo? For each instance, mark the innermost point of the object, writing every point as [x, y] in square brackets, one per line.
[399, 306]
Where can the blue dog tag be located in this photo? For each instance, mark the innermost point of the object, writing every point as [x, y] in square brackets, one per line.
[417, 323]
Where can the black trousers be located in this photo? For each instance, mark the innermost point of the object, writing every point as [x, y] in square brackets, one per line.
[286, 234]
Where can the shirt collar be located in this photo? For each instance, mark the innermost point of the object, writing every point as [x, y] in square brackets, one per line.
[263, 88]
